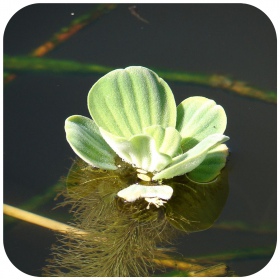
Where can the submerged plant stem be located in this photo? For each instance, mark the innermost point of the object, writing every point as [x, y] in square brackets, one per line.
[194, 269]
[33, 64]
[181, 265]
[77, 24]
[240, 254]
[66, 32]
[39, 220]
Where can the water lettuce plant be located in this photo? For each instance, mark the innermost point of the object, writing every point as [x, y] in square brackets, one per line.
[134, 117]
[137, 184]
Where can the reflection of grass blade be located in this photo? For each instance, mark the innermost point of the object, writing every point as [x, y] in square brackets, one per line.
[66, 32]
[240, 254]
[32, 64]
[217, 270]
[219, 81]
[38, 200]
[241, 226]
[212, 271]
[8, 77]
[76, 25]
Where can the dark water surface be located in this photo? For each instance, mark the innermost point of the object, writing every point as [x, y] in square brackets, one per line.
[235, 40]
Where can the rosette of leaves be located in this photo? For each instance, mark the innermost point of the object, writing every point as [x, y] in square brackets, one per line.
[134, 117]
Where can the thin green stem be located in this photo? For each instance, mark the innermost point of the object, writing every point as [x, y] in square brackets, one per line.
[66, 32]
[239, 254]
[37, 65]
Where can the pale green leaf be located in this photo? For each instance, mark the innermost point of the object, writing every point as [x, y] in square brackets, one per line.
[191, 159]
[125, 101]
[139, 150]
[197, 118]
[167, 139]
[212, 165]
[84, 137]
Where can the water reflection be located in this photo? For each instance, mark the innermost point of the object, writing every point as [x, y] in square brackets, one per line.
[195, 207]
[127, 239]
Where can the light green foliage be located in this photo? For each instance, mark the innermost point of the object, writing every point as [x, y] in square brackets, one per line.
[168, 139]
[191, 159]
[84, 138]
[125, 101]
[134, 115]
[140, 150]
[197, 118]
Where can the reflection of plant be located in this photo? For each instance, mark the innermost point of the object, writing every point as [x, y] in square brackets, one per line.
[127, 239]
[134, 116]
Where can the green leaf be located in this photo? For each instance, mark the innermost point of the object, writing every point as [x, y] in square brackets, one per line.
[168, 139]
[190, 160]
[197, 118]
[212, 165]
[139, 150]
[125, 101]
[84, 138]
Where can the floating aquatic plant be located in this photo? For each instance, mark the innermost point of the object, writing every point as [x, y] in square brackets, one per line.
[137, 184]
[134, 117]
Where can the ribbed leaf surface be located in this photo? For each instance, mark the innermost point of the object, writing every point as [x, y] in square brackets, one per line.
[197, 118]
[84, 137]
[167, 139]
[125, 101]
[190, 160]
[139, 150]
